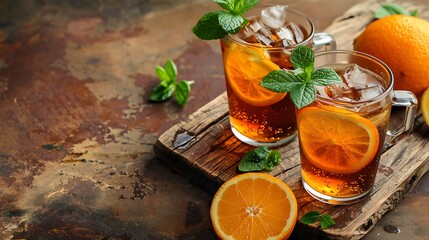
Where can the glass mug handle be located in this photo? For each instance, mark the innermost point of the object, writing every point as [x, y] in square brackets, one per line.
[324, 40]
[409, 101]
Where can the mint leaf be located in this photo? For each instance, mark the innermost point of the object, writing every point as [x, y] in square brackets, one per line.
[162, 75]
[183, 89]
[280, 81]
[414, 13]
[300, 82]
[326, 221]
[216, 25]
[168, 85]
[258, 159]
[253, 160]
[171, 69]
[311, 217]
[225, 4]
[392, 9]
[162, 93]
[208, 27]
[325, 77]
[303, 94]
[273, 159]
[230, 23]
[302, 57]
[242, 6]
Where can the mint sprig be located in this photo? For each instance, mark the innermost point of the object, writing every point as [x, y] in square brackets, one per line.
[325, 219]
[169, 85]
[302, 81]
[392, 9]
[216, 25]
[258, 159]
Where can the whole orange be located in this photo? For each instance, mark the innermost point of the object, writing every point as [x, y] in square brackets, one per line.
[402, 42]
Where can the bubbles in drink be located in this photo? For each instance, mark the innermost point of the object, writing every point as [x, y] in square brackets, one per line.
[358, 85]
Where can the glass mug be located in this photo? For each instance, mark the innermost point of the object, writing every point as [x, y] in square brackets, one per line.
[342, 134]
[258, 116]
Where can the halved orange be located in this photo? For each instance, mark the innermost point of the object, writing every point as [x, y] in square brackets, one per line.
[337, 140]
[254, 206]
[424, 106]
[245, 67]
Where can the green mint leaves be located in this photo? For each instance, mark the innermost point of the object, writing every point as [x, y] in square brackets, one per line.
[392, 9]
[216, 25]
[302, 81]
[311, 217]
[169, 85]
[260, 158]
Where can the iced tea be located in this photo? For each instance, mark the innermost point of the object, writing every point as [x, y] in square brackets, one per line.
[341, 147]
[257, 115]
[342, 133]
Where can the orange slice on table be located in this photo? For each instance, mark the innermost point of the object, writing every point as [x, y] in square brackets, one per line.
[336, 140]
[245, 68]
[424, 106]
[254, 206]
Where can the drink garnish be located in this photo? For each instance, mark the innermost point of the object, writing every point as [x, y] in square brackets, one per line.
[392, 9]
[169, 85]
[258, 159]
[300, 82]
[325, 219]
[218, 24]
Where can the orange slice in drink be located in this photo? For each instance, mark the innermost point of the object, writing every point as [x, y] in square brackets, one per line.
[336, 140]
[245, 68]
[254, 206]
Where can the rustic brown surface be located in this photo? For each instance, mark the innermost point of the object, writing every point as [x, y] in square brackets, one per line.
[76, 153]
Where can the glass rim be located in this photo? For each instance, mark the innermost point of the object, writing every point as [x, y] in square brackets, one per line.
[378, 98]
[233, 37]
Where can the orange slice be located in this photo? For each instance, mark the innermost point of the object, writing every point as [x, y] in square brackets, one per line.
[336, 140]
[424, 106]
[254, 206]
[245, 68]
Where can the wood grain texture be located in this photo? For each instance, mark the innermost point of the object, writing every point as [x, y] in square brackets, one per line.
[211, 155]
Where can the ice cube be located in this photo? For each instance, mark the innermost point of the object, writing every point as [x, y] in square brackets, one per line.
[247, 34]
[286, 36]
[257, 32]
[321, 91]
[274, 16]
[342, 92]
[358, 78]
[352, 74]
[369, 92]
[297, 32]
[262, 38]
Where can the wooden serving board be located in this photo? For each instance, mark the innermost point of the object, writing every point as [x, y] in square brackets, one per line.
[203, 149]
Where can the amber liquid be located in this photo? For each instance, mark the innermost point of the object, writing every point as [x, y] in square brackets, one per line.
[344, 185]
[353, 184]
[264, 124]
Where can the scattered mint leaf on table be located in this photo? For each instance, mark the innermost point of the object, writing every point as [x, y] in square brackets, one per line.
[218, 24]
[183, 89]
[169, 85]
[325, 219]
[258, 159]
[301, 81]
[392, 9]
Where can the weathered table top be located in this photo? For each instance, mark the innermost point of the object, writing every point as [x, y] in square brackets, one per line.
[76, 152]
